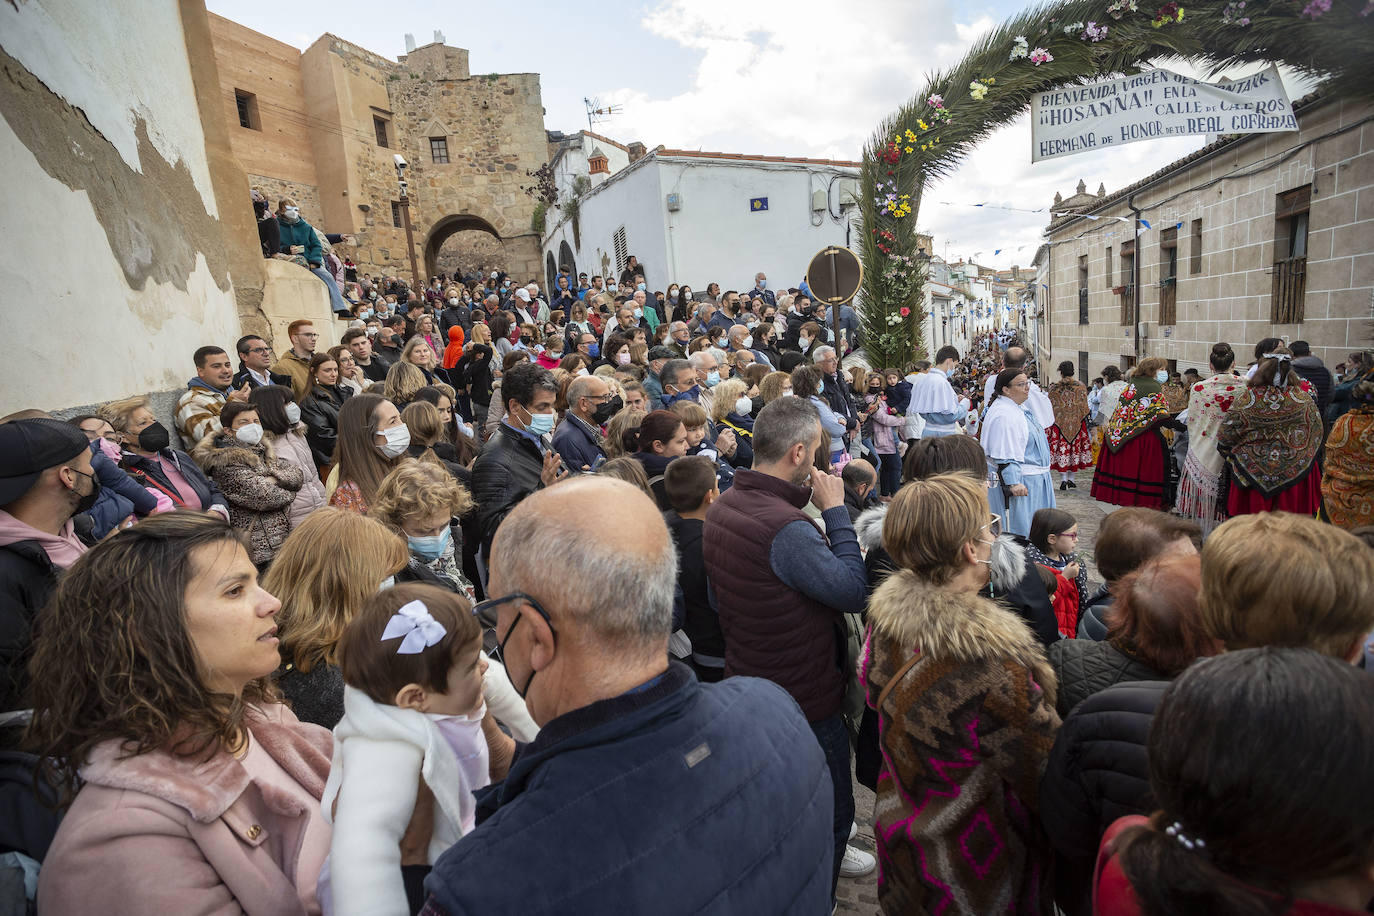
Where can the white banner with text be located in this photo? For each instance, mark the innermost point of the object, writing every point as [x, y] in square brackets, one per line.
[1155, 104]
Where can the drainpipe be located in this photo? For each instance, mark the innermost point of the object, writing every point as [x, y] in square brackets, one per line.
[1135, 274]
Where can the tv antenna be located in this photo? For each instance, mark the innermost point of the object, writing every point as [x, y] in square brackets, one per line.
[596, 112]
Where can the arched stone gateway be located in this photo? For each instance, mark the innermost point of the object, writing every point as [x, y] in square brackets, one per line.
[518, 255]
[1046, 48]
[550, 270]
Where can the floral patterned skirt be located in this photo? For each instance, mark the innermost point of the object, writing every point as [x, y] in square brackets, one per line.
[1070, 456]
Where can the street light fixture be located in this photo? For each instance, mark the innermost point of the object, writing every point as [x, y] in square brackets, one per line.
[401, 167]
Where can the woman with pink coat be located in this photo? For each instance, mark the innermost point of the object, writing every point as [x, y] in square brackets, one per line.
[190, 788]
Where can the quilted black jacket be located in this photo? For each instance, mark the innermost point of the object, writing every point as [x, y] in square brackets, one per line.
[1085, 667]
[1097, 772]
[507, 471]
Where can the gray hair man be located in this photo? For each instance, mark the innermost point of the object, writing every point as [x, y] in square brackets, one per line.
[781, 587]
[633, 752]
[578, 440]
[679, 336]
[742, 341]
[707, 367]
[679, 382]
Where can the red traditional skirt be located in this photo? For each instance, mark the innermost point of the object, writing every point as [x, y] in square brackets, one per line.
[1070, 456]
[1302, 498]
[1138, 475]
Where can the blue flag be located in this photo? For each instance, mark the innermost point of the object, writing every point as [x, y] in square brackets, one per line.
[758, 203]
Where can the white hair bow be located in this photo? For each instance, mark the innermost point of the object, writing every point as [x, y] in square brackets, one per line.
[1278, 372]
[419, 629]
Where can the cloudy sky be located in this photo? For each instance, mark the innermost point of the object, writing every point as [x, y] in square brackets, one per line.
[776, 77]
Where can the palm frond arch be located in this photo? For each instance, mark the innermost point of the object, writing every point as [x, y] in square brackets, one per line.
[1086, 40]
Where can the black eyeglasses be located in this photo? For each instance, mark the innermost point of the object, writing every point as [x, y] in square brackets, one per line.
[481, 609]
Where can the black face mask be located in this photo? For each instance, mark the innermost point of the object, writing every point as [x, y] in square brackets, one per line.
[84, 503]
[605, 411]
[154, 437]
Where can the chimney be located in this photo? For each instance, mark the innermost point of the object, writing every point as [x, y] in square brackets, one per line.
[637, 151]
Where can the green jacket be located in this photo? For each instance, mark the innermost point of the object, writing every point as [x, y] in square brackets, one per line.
[301, 233]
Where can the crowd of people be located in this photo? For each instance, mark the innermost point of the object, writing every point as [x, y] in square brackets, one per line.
[627, 584]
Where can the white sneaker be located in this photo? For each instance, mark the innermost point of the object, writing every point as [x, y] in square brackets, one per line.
[857, 863]
[853, 829]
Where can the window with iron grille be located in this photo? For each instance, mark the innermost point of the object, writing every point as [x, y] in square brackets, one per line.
[247, 105]
[396, 214]
[438, 150]
[622, 250]
[1168, 276]
[379, 125]
[1290, 255]
[1127, 280]
[1082, 289]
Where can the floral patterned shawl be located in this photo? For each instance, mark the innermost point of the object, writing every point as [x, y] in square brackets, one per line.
[1069, 398]
[1142, 406]
[1271, 436]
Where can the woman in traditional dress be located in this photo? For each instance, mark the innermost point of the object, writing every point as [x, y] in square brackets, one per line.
[1070, 444]
[1018, 454]
[1348, 481]
[1208, 403]
[1270, 438]
[1133, 468]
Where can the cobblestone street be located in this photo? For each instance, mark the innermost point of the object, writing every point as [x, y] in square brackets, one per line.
[860, 895]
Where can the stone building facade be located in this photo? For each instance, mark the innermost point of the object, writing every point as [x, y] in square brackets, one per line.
[323, 126]
[1250, 237]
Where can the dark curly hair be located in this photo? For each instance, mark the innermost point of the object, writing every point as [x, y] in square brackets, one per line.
[114, 660]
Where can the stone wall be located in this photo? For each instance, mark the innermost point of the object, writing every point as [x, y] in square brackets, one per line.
[1227, 294]
[329, 95]
[306, 196]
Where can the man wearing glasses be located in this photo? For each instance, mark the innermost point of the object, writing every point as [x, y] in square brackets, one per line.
[255, 361]
[295, 362]
[578, 439]
[645, 791]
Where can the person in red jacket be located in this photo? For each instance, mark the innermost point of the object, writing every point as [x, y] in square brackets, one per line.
[1262, 765]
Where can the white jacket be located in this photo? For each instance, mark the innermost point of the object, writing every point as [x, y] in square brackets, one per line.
[380, 754]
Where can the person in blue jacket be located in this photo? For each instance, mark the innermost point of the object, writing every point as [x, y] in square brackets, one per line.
[120, 495]
[646, 791]
[298, 238]
[578, 439]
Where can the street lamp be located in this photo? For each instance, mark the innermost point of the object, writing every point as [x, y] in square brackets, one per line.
[401, 166]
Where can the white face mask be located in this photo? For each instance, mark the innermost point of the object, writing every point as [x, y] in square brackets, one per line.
[583, 371]
[293, 414]
[249, 433]
[743, 406]
[748, 341]
[388, 582]
[453, 301]
[804, 341]
[1161, 376]
[397, 441]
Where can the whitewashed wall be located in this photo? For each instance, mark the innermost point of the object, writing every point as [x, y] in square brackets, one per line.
[78, 331]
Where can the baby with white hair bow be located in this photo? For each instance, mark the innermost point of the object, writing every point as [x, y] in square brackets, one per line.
[413, 667]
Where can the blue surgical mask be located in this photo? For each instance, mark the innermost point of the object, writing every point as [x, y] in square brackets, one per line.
[1161, 376]
[594, 350]
[541, 424]
[640, 287]
[821, 389]
[691, 394]
[712, 378]
[432, 547]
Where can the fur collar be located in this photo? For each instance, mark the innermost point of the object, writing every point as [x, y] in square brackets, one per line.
[1008, 558]
[869, 527]
[221, 449]
[207, 788]
[950, 625]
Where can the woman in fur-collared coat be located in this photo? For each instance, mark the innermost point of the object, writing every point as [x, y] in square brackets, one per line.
[965, 701]
[258, 486]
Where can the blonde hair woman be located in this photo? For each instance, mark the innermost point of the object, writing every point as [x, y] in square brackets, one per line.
[952, 674]
[419, 501]
[627, 420]
[330, 565]
[403, 380]
[420, 354]
[774, 386]
[150, 459]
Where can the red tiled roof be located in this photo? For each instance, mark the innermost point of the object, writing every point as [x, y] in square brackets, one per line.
[745, 157]
[603, 139]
